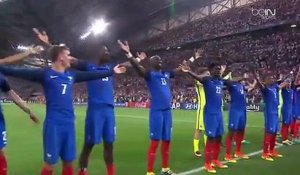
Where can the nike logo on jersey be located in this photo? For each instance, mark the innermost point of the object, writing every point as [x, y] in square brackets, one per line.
[53, 76]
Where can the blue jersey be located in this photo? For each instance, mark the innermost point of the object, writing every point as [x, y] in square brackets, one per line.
[297, 100]
[58, 88]
[287, 97]
[271, 99]
[4, 86]
[238, 96]
[159, 87]
[100, 91]
[213, 88]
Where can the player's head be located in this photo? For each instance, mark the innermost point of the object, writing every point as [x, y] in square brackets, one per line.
[269, 78]
[156, 62]
[60, 54]
[104, 54]
[215, 69]
[239, 76]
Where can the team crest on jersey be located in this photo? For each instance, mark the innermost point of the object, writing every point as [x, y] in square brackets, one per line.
[70, 78]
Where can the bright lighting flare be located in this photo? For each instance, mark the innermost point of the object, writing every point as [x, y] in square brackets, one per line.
[22, 47]
[85, 35]
[98, 27]
[294, 25]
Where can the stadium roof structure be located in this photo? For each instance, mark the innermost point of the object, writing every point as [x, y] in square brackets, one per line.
[66, 20]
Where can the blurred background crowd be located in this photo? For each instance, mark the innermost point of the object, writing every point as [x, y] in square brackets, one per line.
[236, 38]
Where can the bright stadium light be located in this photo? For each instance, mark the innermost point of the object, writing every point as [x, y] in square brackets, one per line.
[98, 27]
[293, 25]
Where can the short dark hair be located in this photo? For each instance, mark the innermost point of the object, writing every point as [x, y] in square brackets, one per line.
[55, 50]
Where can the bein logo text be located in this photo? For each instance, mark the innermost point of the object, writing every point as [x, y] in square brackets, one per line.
[264, 13]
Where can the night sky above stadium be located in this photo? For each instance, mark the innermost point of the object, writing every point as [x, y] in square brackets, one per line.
[66, 20]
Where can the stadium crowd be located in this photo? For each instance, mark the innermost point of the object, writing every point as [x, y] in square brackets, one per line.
[268, 49]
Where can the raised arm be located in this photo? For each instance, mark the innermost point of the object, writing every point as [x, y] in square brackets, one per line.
[257, 78]
[197, 54]
[101, 73]
[21, 56]
[35, 75]
[42, 36]
[187, 69]
[134, 62]
[140, 56]
[250, 86]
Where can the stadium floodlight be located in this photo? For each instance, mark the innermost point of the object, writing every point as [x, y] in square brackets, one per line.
[293, 25]
[98, 27]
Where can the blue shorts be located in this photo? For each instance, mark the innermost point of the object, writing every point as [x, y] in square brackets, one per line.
[297, 114]
[237, 120]
[271, 122]
[213, 123]
[287, 116]
[100, 124]
[3, 139]
[59, 142]
[160, 124]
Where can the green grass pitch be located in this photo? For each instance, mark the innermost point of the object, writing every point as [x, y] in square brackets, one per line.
[24, 149]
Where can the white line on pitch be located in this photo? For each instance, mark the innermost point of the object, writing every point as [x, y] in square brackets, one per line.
[196, 170]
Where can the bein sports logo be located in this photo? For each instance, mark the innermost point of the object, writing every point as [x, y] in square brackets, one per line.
[264, 13]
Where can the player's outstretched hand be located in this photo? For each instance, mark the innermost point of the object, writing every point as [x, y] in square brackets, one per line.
[36, 49]
[124, 46]
[41, 35]
[198, 53]
[184, 68]
[34, 118]
[223, 68]
[118, 69]
[141, 55]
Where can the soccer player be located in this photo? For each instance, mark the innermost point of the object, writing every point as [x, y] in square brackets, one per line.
[5, 87]
[270, 89]
[213, 117]
[100, 117]
[59, 126]
[160, 116]
[237, 115]
[286, 112]
[297, 108]
[200, 129]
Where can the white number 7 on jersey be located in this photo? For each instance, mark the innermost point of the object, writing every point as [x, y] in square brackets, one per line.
[64, 88]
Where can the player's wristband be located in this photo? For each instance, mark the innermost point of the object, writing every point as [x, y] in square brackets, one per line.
[192, 59]
[129, 55]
